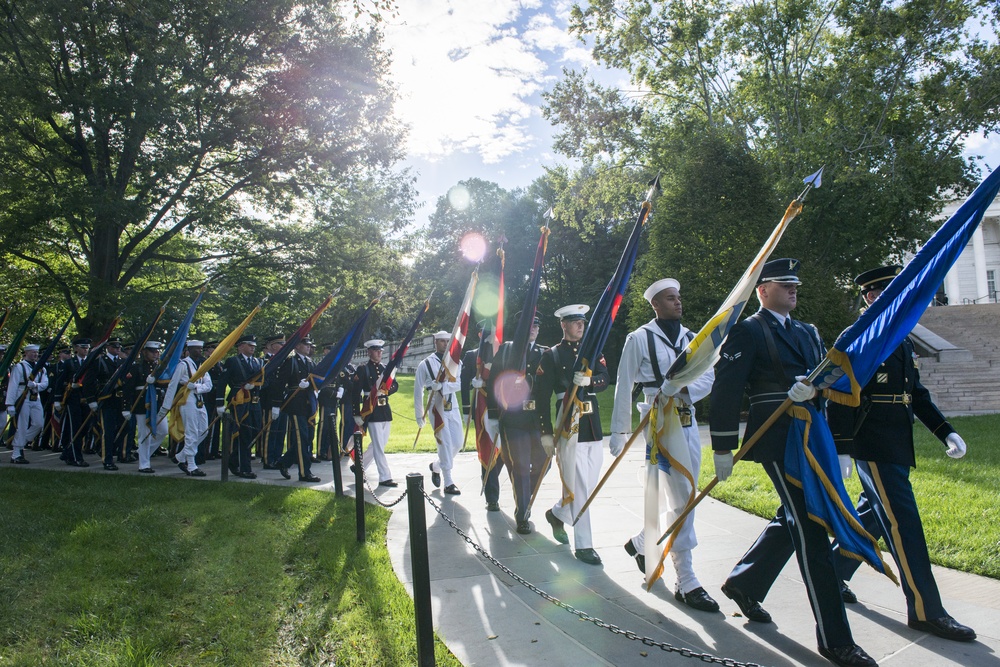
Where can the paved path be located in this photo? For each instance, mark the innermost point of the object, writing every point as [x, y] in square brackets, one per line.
[487, 618]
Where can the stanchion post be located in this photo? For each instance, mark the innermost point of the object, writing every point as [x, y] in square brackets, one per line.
[420, 566]
[359, 488]
[227, 446]
[338, 480]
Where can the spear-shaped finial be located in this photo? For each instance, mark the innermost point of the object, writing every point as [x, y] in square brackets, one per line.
[813, 180]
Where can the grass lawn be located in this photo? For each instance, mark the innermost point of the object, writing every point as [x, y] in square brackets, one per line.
[134, 571]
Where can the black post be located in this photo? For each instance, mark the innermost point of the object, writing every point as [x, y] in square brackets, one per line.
[227, 445]
[338, 480]
[420, 566]
[359, 488]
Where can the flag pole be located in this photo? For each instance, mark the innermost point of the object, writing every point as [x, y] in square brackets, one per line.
[614, 464]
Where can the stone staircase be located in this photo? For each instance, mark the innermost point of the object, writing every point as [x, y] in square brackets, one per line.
[962, 371]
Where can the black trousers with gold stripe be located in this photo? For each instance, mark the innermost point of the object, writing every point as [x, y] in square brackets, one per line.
[301, 431]
[888, 510]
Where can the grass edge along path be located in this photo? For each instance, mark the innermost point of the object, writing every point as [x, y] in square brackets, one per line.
[128, 570]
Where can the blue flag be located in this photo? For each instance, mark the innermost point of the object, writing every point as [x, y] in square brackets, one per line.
[883, 326]
[336, 359]
[169, 359]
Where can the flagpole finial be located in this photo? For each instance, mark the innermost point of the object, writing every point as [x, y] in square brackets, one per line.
[654, 186]
[813, 180]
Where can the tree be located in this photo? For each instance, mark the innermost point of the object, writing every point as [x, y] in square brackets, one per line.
[881, 93]
[136, 136]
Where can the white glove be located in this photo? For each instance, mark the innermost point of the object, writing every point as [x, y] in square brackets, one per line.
[92, 405]
[421, 422]
[11, 410]
[358, 421]
[436, 386]
[723, 465]
[221, 410]
[477, 383]
[32, 385]
[800, 391]
[275, 413]
[126, 414]
[248, 386]
[617, 443]
[668, 388]
[57, 406]
[549, 445]
[340, 392]
[150, 379]
[581, 379]
[956, 446]
[182, 383]
[303, 384]
[846, 465]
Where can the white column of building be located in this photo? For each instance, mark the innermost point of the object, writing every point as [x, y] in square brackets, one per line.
[951, 286]
[979, 262]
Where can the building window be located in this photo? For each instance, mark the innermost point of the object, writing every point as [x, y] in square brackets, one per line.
[991, 285]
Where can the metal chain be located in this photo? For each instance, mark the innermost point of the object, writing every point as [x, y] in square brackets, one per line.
[628, 634]
[372, 492]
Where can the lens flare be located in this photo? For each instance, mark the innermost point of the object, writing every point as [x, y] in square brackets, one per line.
[512, 390]
[459, 197]
[473, 246]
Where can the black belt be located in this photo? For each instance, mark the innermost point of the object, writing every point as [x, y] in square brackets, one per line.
[892, 399]
[769, 397]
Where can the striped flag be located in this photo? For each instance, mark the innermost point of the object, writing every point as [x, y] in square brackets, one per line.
[453, 357]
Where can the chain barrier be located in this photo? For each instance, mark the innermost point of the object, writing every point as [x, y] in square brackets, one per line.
[372, 491]
[582, 615]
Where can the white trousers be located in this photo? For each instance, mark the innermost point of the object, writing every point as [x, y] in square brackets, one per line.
[147, 442]
[589, 457]
[195, 428]
[379, 432]
[449, 442]
[30, 421]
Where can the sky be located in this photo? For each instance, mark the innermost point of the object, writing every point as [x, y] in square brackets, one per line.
[470, 75]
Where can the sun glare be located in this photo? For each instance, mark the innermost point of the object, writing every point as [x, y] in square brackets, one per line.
[473, 247]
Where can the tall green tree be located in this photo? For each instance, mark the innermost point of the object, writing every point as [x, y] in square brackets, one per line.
[141, 135]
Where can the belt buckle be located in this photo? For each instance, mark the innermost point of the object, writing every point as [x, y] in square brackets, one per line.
[586, 407]
[528, 405]
[255, 399]
[447, 403]
[382, 400]
[684, 414]
[906, 398]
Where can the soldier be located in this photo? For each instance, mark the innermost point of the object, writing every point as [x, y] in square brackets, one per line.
[215, 404]
[329, 400]
[53, 420]
[295, 396]
[476, 367]
[443, 409]
[3, 397]
[23, 388]
[768, 355]
[69, 396]
[244, 376]
[272, 444]
[555, 375]
[379, 422]
[192, 410]
[509, 401]
[107, 408]
[129, 449]
[134, 393]
[879, 436]
[649, 352]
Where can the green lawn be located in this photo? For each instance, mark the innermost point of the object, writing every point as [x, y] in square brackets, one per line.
[124, 570]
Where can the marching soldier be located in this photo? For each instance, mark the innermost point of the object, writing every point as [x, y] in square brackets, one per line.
[69, 397]
[192, 411]
[329, 399]
[108, 408]
[272, 444]
[444, 411]
[23, 387]
[767, 356]
[879, 436]
[649, 352]
[244, 378]
[139, 377]
[555, 376]
[509, 401]
[215, 404]
[379, 422]
[476, 367]
[52, 434]
[295, 391]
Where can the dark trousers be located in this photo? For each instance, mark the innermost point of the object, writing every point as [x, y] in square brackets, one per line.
[209, 446]
[275, 439]
[328, 434]
[247, 417]
[792, 531]
[525, 460]
[888, 510]
[300, 439]
[74, 414]
[492, 487]
[112, 434]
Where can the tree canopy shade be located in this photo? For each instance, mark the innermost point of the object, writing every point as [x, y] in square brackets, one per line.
[139, 138]
[884, 93]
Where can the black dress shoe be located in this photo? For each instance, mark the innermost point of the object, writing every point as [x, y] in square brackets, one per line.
[492, 507]
[20, 460]
[697, 599]
[523, 528]
[750, 608]
[846, 594]
[82, 464]
[435, 476]
[146, 471]
[268, 466]
[452, 490]
[945, 627]
[388, 483]
[314, 459]
[558, 527]
[588, 556]
[284, 471]
[640, 559]
[310, 478]
[848, 656]
[248, 475]
[110, 466]
[197, 472]
[183, 465]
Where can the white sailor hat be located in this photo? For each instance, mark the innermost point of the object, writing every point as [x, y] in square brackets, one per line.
[374, 342]
[574, 312]
[152, 345]
[659, 286]
[195, 343]
[442, 335]
[31, 348]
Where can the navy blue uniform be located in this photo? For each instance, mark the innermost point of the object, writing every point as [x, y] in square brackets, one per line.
[470, 370]
[299, 405]
[241, 370]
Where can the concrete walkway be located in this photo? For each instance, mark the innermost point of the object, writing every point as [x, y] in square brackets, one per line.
[488, 618]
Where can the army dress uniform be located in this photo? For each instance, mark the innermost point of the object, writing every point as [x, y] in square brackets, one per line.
[70, 401]
[878, 435]
[294, 389]
[379, 421]
[244, 378]
[107, 408]
[329, 398]
[23, 388]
